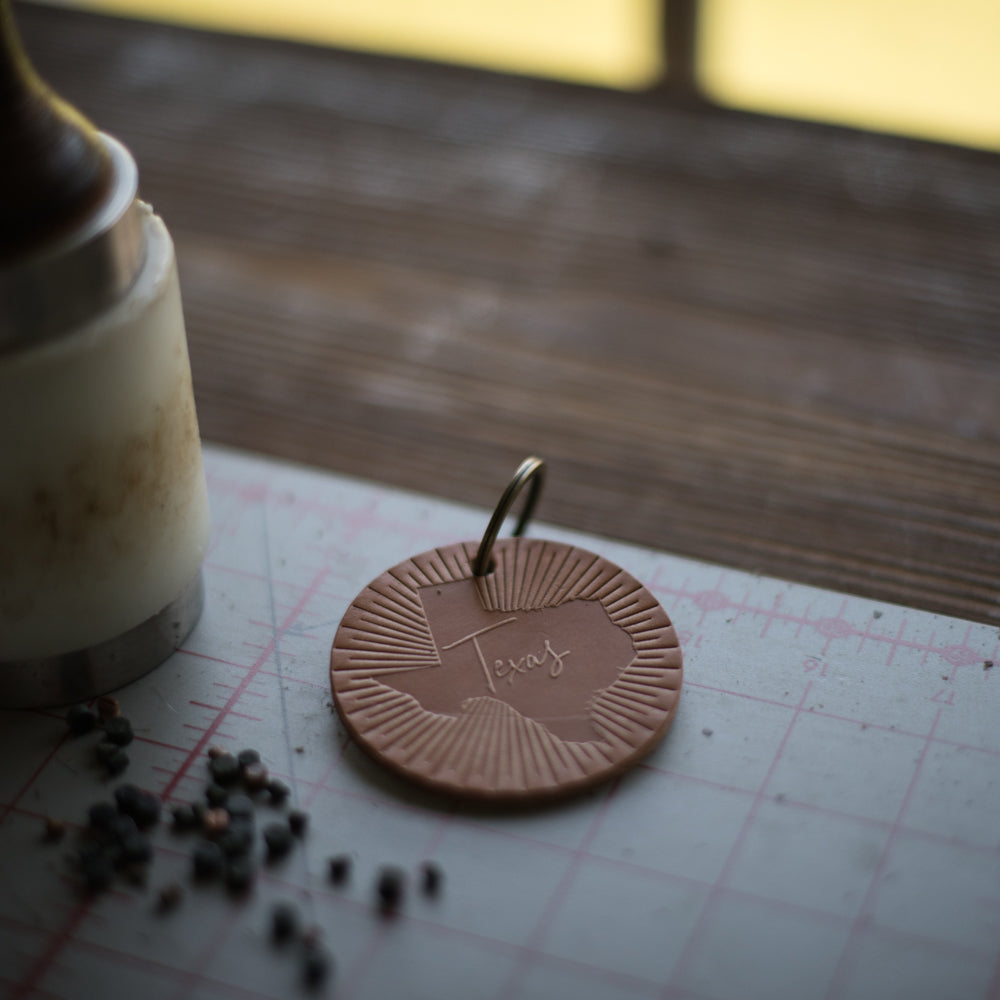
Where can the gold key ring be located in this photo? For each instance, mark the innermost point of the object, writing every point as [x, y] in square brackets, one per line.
[531, 470]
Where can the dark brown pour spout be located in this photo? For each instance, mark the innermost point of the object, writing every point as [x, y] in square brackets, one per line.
[54, 170]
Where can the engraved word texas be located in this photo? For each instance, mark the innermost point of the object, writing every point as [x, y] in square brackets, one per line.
[546, 663]
[522, 665]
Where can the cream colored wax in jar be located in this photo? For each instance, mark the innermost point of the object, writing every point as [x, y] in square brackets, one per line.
[103, 507]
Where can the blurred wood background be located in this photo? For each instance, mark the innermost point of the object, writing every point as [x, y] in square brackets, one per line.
[767, 344]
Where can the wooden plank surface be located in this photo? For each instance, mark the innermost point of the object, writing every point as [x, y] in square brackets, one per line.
[766, 344]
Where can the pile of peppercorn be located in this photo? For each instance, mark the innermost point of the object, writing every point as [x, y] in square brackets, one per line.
[116, 839]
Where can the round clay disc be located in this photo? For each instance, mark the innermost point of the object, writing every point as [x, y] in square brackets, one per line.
[553, 672]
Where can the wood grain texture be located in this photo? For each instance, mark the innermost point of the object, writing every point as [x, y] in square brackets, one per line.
[753, 341]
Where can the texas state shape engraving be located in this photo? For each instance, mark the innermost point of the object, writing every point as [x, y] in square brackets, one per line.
[546, 663]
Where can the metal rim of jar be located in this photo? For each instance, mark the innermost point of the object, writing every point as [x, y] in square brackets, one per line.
[74, 279]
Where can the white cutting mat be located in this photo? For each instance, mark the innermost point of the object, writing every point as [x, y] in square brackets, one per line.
[823, 820]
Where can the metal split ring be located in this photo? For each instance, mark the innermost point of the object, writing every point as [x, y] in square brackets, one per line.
[531, 470]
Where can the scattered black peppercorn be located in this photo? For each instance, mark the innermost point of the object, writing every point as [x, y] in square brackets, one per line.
[169, 897]
[316, 966]
[117, 762]
[120, 828]
[136, 849]
[118, 730]
[237, 840]
[80, 720]
[431, 878]
[255, 776]
[339, 869]
[55, 829]
[390, 889]
[147, 809]
[246, 757]
[225, 768]
[108, 707]
[239, 874]
[216, 796]
[101, 815]
[126, 796]
[298, 820]
[240, 807]
[184, 817]
[215, 822]
[284, 922]
[278, 791]
[278, 839]
[104, 750]
[207, 860]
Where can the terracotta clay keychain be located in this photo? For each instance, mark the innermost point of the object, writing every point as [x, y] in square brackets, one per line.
[515, 669]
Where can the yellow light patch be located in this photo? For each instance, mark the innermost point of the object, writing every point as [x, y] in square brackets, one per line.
[606, 42]
[929, 68]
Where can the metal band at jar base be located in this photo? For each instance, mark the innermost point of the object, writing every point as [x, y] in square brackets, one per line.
[84, 673]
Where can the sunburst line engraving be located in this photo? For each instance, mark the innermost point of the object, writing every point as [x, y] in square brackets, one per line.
[386, 605]
[410, 739]
[373, 642]
[400, 633]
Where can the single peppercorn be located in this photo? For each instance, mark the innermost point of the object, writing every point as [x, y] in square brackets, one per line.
[278, 840]
[239, 874]
[125, 796]
[216, 795]
[184, 817]
[339, 868]
[284, 922]
[207, 860]
[55, 829]
[169, 897]
[117, 762]
[104, 750]
[240, 807]
[237, 839]
[431, 878]
[215, 822]
[101, 815]
[298, 820]
[255, 776]
[108, 707]
[136, 849]
[146, 810]
[217, 751]
[317, 965]
[278, 791]
[225, 769]
[120, 828]
[80, 720]
[247, 757]
[118, 730]
[389, 889]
